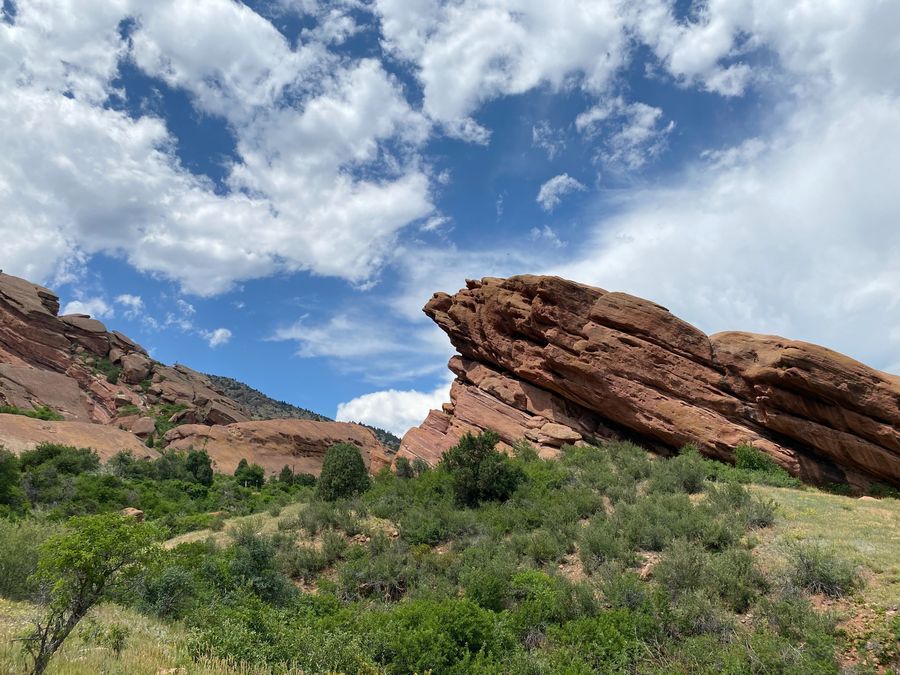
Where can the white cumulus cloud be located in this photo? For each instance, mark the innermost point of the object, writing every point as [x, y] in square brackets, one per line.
[217, 337]
[79, 178]
[392, 409]
[553, 191]
[98, 308]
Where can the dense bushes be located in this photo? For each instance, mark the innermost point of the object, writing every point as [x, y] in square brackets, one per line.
[343, 473]
[603, 561]
[20, 541]
[178, 488]
[479, 472]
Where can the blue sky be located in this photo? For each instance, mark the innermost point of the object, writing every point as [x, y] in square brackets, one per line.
[271, 190]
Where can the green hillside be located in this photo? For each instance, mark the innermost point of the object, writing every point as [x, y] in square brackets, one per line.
[606, 560]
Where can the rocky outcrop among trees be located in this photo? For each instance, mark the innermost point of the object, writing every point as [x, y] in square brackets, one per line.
[553, 362]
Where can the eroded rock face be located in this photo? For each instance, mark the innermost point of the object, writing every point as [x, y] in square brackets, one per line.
[553, 361]
[19, 433]
[55, 361]
[299, 444]
[64, 363]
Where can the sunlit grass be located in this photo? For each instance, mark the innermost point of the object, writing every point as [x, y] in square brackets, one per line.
[866, 532]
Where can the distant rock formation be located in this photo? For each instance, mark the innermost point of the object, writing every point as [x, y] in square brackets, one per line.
[299, 444]
[554, 362]
[19, 434]
[262, 407]
[75, 366]
[111, 394]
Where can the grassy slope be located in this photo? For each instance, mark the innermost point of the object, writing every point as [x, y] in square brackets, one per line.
[866, 531]
[862, 530]
[153, 647]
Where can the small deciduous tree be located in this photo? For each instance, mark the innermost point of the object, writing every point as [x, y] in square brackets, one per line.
[286, 476]
[200, 466]
[403, 468]
[250, 475]
[480, 473]
[12, 499]
[343, 473]
[77, 569]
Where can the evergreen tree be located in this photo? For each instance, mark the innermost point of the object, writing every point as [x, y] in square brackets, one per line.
[343, 473]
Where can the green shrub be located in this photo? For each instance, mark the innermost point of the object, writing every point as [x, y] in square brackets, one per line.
[426, 523]
[790, 614]
[748, 457]
[623, 588]
[20, 542]
[333, 545]
[253, 565]
[752, 466]
[600, 543]
[486, 572]
[12, 498]
[403, 468]
[343, 473]
[821, 570]
[286, 475]
[657, 519]
[607, 643]
[540, 600]
[303, 562]
[540, 545]
[759, 513]
[440, 637]
[385, 570]
[479, 472]
[41, 412]
[736, 579]
[695, 612]
[685, 472]
[684, 567]
[103, 366]
[171, 593]
[317, 516]
[250, 475]
[199, 465]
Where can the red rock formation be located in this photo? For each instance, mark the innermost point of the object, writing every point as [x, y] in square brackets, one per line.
[19, 433]
[48, 360]
[52, 360]
[549, 360]
[300, 444]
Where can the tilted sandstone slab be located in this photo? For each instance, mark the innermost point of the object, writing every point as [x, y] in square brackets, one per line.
[299, 444]
[19, 433]
[541, 354]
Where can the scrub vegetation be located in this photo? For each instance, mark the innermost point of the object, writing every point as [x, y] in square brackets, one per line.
[604, 560]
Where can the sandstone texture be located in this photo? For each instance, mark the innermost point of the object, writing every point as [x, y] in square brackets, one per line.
[299, 444]
[19, 433]
[63, 362]
[556, 362]
[111, 394]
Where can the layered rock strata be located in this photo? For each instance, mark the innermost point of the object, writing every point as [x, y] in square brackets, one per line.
[553, 362]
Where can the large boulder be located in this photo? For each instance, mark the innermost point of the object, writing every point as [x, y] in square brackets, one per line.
[26, 387]
[299, 444]
[19, 433]
[540, 355]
